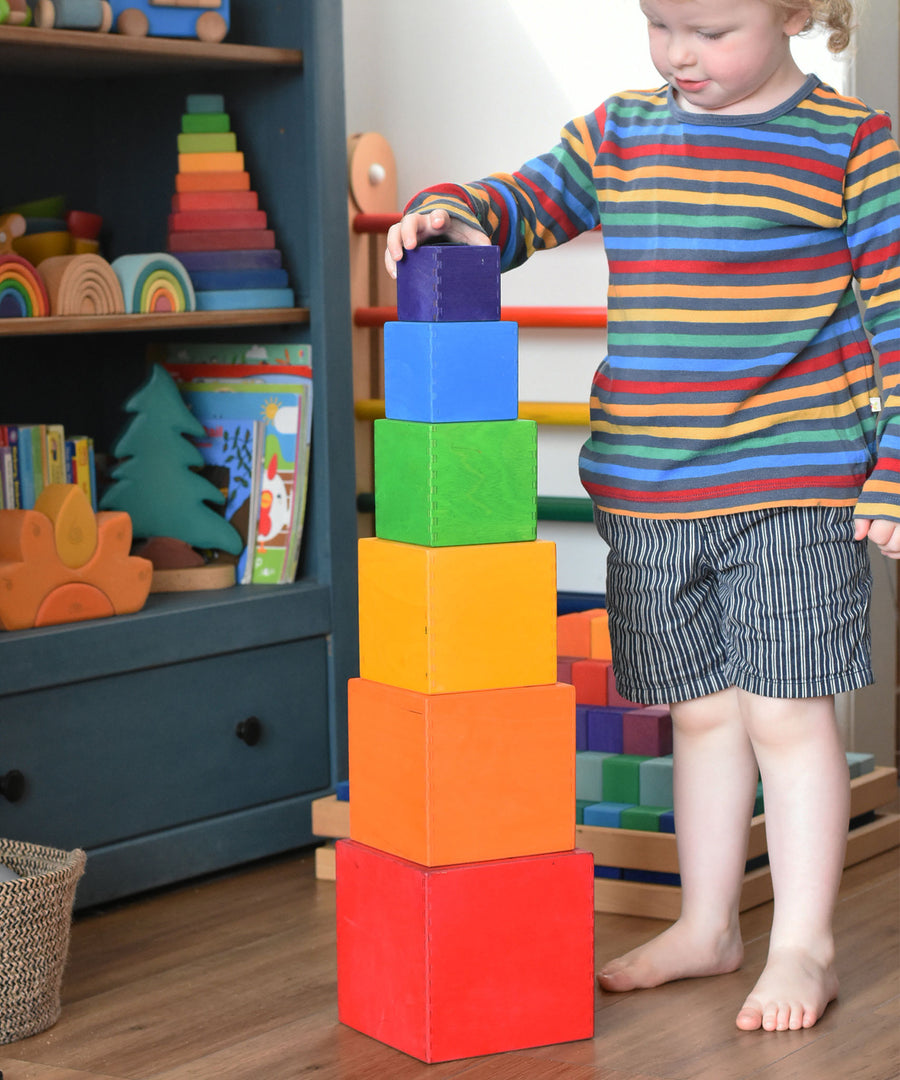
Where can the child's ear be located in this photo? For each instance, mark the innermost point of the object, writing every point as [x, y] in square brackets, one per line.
[796, 20]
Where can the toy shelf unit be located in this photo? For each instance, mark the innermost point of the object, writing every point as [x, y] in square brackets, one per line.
[195, 733]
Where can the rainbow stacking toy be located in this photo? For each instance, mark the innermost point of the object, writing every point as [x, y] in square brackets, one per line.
[464, 915]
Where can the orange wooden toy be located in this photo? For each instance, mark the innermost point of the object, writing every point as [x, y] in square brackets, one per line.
[61, 563]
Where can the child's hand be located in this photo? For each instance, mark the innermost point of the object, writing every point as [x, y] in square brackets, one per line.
[885, 535]
[412, 228]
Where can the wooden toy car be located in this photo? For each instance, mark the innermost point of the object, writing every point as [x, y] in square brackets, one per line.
[73, 15]
[204, 19]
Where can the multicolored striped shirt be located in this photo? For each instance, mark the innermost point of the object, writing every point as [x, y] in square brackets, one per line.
[739, 374]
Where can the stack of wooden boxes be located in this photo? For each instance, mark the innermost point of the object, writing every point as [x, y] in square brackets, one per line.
[464, 913]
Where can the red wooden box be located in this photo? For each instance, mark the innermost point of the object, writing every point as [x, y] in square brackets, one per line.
[475, 958]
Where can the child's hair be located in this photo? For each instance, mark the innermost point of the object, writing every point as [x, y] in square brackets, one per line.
[835, 16]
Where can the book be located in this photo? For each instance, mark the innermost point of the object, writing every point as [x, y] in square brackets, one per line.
[19, 436]
[232, 451]
[56, 454]
[272, 383]
[80, 468]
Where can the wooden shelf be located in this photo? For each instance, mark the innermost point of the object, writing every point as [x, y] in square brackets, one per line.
[166, 321]
[85, 53]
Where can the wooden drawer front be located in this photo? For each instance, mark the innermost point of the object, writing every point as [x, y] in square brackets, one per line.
[118, 757]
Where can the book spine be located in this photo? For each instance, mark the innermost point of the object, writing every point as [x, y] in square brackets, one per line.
[56, 454]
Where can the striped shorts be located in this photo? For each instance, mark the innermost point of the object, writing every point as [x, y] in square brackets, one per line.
[773, 601]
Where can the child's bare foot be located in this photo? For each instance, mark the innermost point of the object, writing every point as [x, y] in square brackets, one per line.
[677, 953]
[792, 992]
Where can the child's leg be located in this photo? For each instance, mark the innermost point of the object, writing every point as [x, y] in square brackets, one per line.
[715, 787]
[807, 794]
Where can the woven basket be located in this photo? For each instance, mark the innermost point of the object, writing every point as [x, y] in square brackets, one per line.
[35, 920]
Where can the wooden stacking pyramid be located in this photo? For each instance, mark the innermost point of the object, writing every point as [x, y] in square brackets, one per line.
[216, 228]
[464, 914]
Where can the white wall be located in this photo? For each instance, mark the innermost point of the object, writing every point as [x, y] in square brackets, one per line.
[460, 88]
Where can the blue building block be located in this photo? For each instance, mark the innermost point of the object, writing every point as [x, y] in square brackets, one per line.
[613, 872]
[445, 372]
[607, 815]
[589, 776]
[604, 728]
[656, 781]
[343, 791]
[667, 821]
[449, 283]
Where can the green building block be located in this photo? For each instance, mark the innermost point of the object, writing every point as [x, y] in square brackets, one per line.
[580, 804]
[207, 143]
[656, 782]
[645, 818]
[205, 123]
[622, 778]
[456, 483]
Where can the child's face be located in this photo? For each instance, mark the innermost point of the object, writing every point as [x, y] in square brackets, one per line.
[724, 55]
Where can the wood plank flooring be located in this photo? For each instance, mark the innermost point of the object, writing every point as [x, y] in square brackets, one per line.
[233, 978]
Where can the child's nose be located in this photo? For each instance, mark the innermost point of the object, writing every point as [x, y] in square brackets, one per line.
[681, 52]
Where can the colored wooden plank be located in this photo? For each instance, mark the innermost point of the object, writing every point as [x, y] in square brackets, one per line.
[449, 283]
[656, 782]
[192, 123]
[229, 180]
[217, 162]
[443, 484]
[459, 961]
[207, 142]
[200, 220]
[622, 778]
[205, 103]
[249, 259]
[454, 778]
[589, 775]
[443, 372]
[573, 631]
[439, 620]
[214, 200]
[218, 280]
[244, 299]
[604, 729]
[224, 240]
[591, 681]
[647, 732]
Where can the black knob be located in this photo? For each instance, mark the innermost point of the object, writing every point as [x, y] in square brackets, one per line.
[12, 785]
[249, 730]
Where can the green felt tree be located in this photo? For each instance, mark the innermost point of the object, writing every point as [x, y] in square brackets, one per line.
[155, 479]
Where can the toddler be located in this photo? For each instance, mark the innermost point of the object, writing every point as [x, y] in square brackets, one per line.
[739, 452]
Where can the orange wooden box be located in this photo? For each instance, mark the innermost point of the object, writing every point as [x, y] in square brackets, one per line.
[446, 620]
[453, 778]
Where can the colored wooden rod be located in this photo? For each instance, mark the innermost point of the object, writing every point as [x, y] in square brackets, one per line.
[549, 507]
[567, 318]
[559, 413]
[374, 223]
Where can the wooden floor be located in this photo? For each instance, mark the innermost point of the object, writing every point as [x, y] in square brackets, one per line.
[233, 978]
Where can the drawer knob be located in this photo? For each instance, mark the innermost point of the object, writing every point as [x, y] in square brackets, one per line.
[12, 785]
[249, 730]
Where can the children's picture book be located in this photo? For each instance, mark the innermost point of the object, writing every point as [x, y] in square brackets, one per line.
[271, 384]
[232, 451]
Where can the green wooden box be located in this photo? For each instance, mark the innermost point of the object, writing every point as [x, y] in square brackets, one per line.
[456, 483]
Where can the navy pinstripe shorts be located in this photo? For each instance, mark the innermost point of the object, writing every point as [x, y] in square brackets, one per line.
[773, 601]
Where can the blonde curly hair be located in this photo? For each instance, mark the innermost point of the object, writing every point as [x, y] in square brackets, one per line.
[834, 16]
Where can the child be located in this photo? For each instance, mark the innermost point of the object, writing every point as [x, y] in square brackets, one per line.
[738, 454]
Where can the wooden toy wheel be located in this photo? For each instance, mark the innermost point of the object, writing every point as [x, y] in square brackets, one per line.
[106, 17]
[132, 22]
[211, 27]
[44, 14]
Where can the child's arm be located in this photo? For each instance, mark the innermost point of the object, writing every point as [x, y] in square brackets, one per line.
[549, 200]
[413, 228]
[885, 535]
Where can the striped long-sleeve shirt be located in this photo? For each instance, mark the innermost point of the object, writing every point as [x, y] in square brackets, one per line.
[738, 373]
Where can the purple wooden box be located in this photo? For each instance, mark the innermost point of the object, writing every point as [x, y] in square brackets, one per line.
[449, 283]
